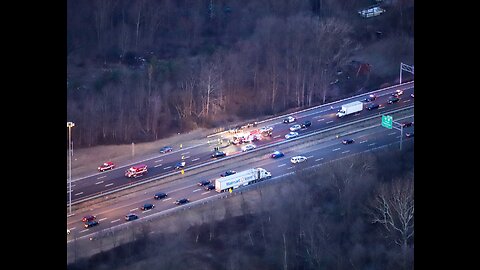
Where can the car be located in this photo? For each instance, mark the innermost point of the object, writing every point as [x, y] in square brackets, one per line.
[397, 93]
[218, 154]
[248, 147]
[298, 159]
[291, 135]
[91, 223]
[131, 216]
[209, 187]
[370, 98]
[306, 124]
[181, 201]
[277, 154]
[227, 173]
[289, 119]
[166, 149]
[106, 166]
[88, 218]
[348, 141]
[68, 231]
[392, 100]
[180, 165]
[409, 134]
[406, 124]
[203, 183]
[295, 127]
[411, 95]
[160, 195]
[147, 206]
[372, 106]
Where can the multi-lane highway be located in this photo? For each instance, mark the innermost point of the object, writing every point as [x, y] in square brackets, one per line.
[186, 187]
[164, 164]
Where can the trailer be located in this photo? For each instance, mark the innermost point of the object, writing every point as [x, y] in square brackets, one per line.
[243, 178]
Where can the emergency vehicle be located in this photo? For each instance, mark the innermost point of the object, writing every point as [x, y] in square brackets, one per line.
[137, 170]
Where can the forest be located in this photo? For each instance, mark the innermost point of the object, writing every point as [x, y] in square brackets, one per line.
[142, 70]
[354, 213]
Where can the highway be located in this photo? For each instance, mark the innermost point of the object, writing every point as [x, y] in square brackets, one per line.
[321, 117]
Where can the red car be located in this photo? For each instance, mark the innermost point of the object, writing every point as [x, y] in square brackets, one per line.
[106, 166]
[88, 218]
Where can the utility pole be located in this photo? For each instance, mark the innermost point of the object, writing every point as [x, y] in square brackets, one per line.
[70, 154]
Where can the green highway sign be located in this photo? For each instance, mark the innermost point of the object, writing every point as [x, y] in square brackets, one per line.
[387, 121]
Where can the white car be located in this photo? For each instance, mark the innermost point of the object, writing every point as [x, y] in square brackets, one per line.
[291, 135]
[248, 147]
[298, 159]
[289, 119]
[295, 127]
[397, 93]
[68, 231]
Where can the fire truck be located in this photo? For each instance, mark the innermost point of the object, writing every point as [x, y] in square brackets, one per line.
[136, 171]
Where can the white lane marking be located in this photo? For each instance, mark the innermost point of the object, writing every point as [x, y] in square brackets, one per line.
[381, 108]
[131, 210]
[321, 119]
[316, 117]
[276, 136]
[145, 211]
[166, 199]
[107, 185]
[310, 157]
[398, 137]
[86, 230]
[281, 165]
[318, 159]
[167, 167]
[98, 182]
[80, 193]
[329, 122]
[336, 149]
[102, 219]
[158, 160]
[102, 177]
[289, 168]
[196, 190]
[195, 159]
[186, 153]
[408, 100]
[363, 141]
[186, 157]
[157, 165]
[71, 229]
[371, 144]
[206, 192]
[344, 152]
[114, 220]
[393, 133]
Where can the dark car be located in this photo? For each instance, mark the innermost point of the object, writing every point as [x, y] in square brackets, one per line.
[180, 165]
[166, 149]
[91, 223]
[203, 183]
[277, 154]
[131, 216]
[181, 201]
[227, 173]
[147, 206]
[392, 100]
[371, 98]
[306, 124]
[160, 195]
[372, 106]
[218, 154]
[209, 187]
[409, 134]
[88, 218]
[348, 141]
[406, 124]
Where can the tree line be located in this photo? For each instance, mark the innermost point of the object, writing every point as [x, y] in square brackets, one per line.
[353, 213]
[143, 70]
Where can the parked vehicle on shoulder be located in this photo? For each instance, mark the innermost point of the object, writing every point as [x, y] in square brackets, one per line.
[248, 147]
[106, 166]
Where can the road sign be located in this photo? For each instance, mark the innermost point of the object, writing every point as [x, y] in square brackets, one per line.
[387, 121]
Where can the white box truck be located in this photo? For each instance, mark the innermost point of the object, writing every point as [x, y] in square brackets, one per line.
[241, 179]
[350, 108]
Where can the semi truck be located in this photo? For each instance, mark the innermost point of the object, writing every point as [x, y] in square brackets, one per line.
[241, 179]
[349, 108]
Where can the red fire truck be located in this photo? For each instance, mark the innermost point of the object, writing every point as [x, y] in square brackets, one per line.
[137, 170]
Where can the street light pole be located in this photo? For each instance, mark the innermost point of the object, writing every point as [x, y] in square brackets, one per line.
[70, 152]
